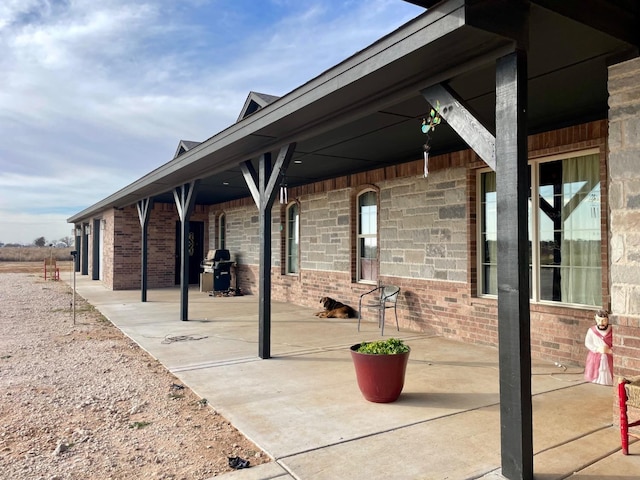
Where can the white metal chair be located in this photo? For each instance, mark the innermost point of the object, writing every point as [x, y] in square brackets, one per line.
[380, 298]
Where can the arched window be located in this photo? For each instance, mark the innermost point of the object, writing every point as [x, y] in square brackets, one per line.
[222, 231]
[367, 247]
[293, 238]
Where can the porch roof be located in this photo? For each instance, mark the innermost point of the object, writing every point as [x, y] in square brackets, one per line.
[366, 112]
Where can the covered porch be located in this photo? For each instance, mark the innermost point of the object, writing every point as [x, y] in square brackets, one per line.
[304, 409]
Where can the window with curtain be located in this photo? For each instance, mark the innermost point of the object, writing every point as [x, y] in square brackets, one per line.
[564, 227]
[222, 232]
[293, 238]
[488, 234]
[368, 237]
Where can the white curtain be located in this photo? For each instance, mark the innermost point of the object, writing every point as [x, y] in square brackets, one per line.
[581, 268]
[490, 260]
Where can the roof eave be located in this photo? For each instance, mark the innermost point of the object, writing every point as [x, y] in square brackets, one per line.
[423, 30]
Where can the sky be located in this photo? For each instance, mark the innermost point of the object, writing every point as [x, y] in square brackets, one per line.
[96, 94]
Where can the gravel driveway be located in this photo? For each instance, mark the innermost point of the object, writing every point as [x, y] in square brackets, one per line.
[82, 401]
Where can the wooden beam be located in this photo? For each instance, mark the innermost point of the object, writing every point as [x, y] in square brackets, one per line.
[463, 121]
[280, 167]
[77, 242]
[185, 197]
[265, 171]
[95, 242]
[263, 186]
[251, 179]
[512, 193]
[84, 263]
[144, 207]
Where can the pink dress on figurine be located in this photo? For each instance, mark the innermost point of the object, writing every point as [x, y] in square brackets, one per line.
[599, 364]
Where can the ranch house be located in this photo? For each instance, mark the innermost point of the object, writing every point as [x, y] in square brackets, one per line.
[508, 223]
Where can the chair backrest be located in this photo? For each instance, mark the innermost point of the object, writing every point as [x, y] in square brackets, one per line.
[390, 293]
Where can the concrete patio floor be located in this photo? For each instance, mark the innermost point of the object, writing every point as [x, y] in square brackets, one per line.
[304, 409]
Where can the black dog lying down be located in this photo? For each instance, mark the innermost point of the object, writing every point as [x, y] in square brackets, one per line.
[335, 309]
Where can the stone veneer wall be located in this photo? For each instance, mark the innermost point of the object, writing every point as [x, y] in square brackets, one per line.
[427, 239]
[422, 235]
[423, 226]
[624, 204]
[428, 244]
[325, 231]
[108, 219]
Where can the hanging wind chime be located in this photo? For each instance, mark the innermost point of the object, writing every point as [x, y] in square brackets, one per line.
[428, 125]
[284, 194]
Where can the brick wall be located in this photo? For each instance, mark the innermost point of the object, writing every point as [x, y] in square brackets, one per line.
[122, 246]
[624, 204]
[126, 268]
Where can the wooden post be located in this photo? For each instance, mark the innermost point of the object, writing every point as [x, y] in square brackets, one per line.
[144, 211]
[84, 252]
[263, 188]
[512, 192]
[185, 197]
[95, 248]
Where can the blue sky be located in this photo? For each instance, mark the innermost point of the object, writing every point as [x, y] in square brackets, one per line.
[95, 94]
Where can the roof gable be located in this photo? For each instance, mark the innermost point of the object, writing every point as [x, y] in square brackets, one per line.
[254, 102]
[184, 146]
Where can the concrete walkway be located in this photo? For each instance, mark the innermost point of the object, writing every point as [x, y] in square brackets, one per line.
[304, 409]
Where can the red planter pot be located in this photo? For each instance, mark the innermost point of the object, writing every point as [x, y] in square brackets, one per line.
[380, 377]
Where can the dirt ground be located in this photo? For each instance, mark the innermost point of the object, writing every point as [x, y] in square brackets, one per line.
[81, 400]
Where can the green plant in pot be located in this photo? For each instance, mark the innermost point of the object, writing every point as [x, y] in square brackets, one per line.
[380, 368]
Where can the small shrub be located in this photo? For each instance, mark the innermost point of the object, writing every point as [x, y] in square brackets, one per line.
[139, 425]
[390, 346]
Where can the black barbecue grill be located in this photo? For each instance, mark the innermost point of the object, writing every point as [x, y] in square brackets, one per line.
[218, 262]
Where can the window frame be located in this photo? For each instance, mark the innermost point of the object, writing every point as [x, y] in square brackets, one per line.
[222, 231]
[534, 227]
[359, 236]
[288, 254]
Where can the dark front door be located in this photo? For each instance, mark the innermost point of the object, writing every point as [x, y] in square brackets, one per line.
[195, 249]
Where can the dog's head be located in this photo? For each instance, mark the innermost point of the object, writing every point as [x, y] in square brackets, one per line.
[327, 302]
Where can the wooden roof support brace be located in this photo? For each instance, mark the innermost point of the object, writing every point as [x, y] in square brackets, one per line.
[463, 121]
[506, 154]
[263, 190]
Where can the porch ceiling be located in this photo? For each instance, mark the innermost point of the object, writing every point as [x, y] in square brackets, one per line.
[366, 112]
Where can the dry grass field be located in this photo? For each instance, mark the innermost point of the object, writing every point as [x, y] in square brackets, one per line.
[31, 259]
[34, 254]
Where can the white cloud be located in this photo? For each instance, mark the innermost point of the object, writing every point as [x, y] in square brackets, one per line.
[97, 94]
